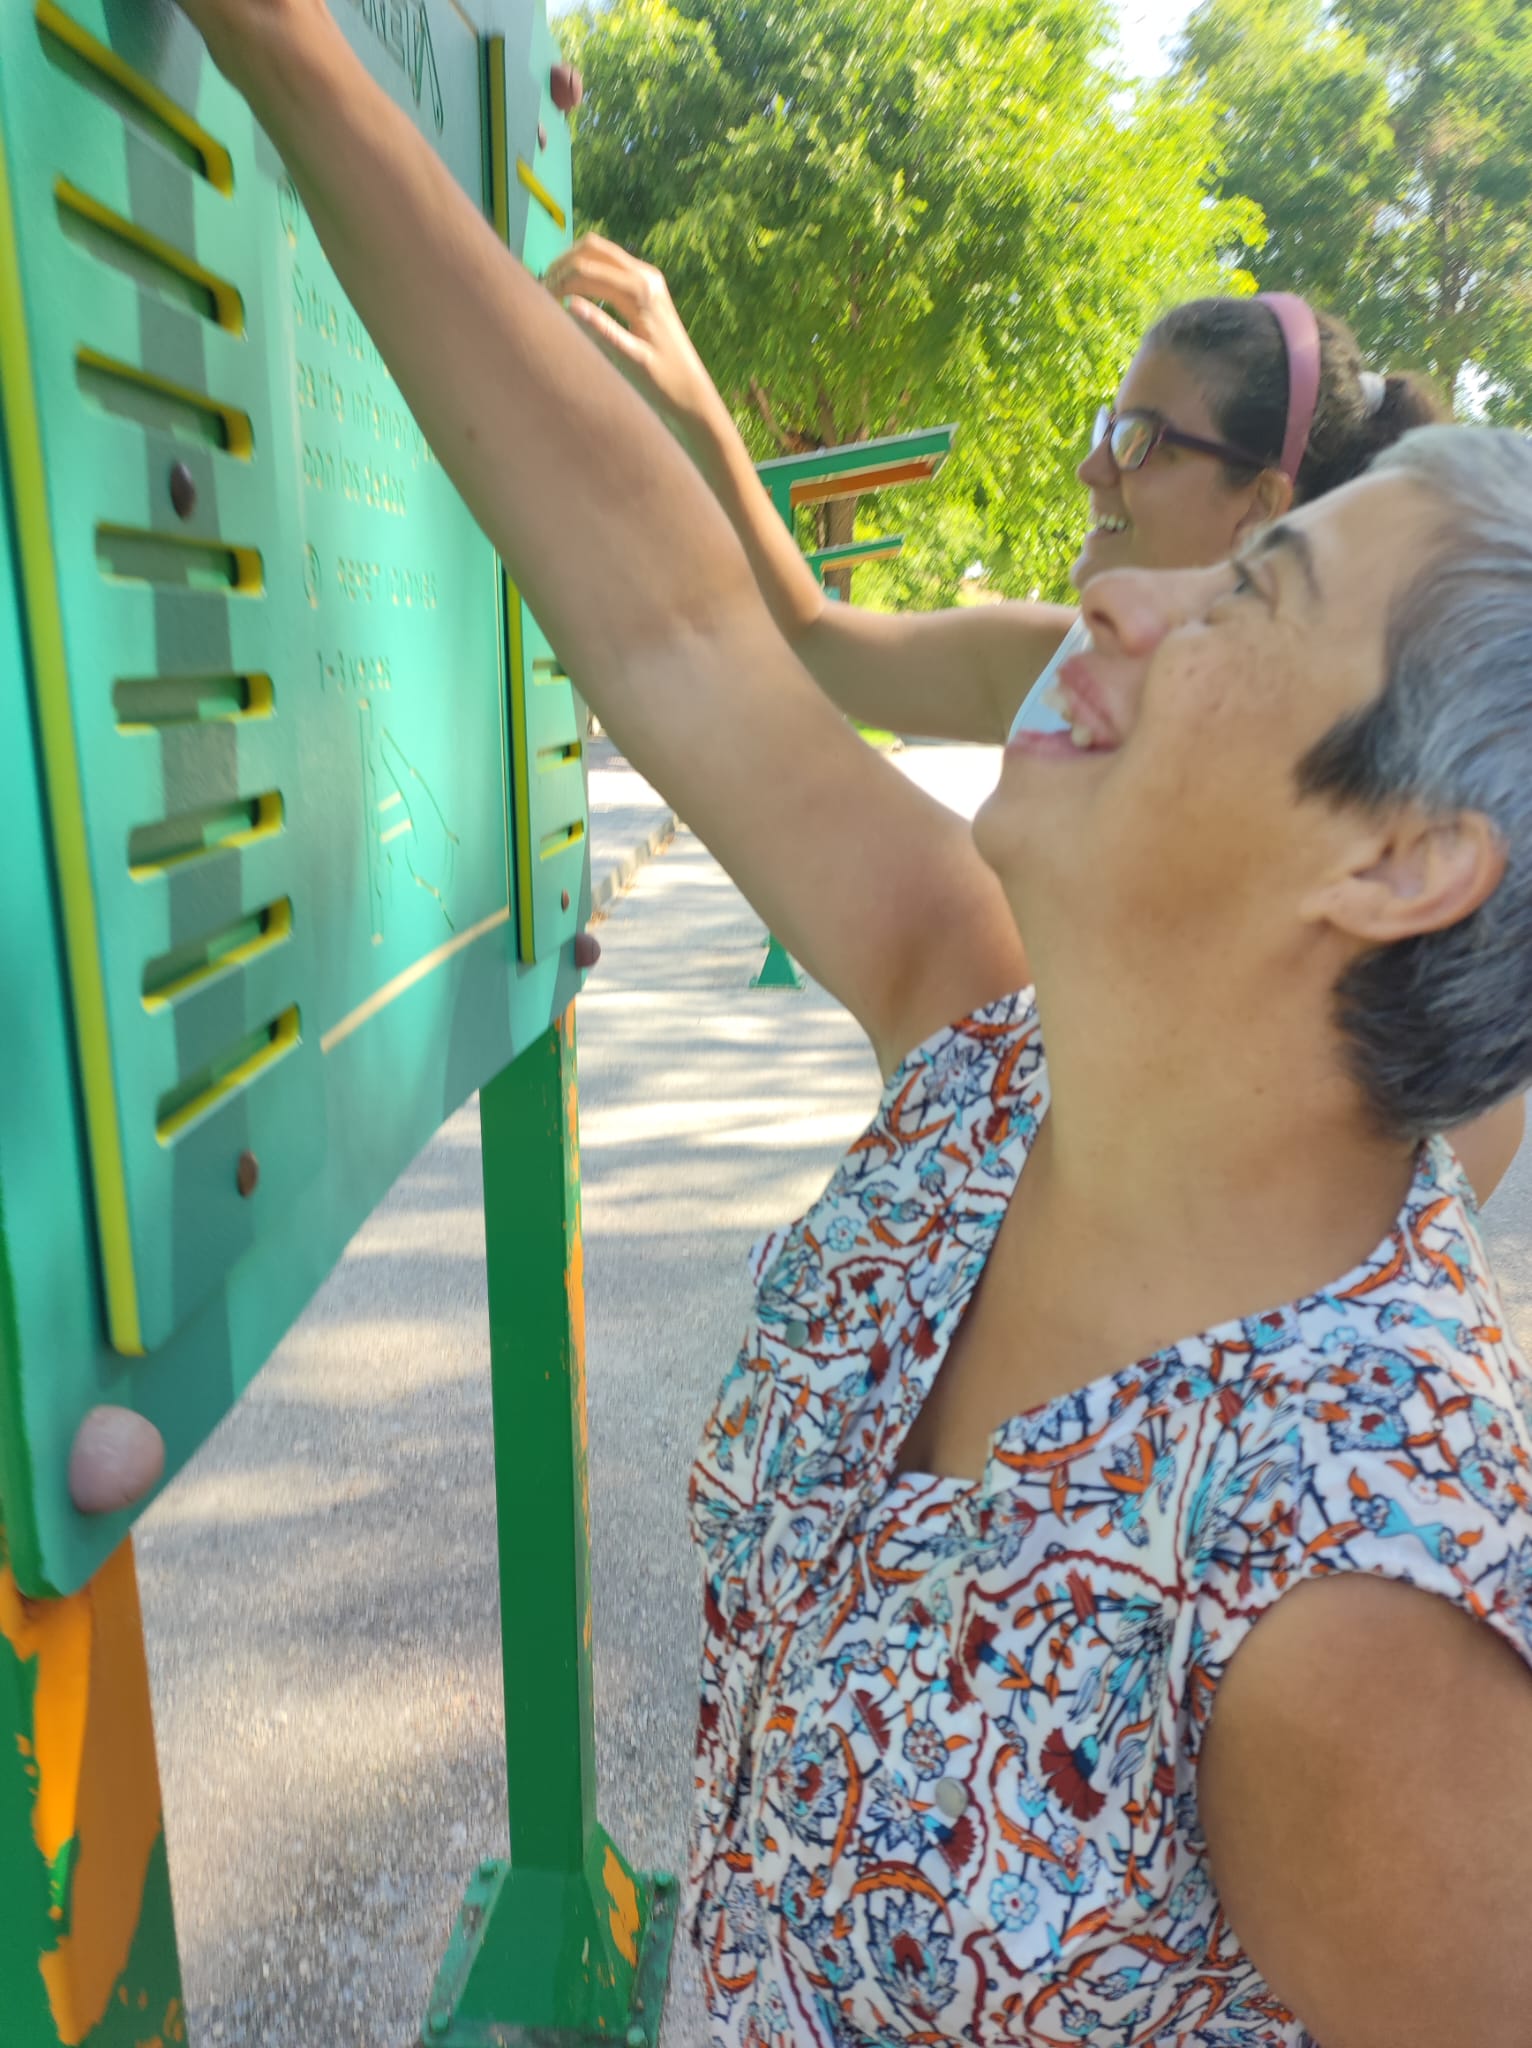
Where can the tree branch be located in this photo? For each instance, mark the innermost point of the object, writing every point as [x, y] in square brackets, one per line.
[788, 439]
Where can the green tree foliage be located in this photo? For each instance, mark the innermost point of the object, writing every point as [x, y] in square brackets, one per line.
[881, 214]
[1389, 146]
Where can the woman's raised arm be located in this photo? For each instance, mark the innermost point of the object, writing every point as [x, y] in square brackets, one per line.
[624, 554]
[956, 674]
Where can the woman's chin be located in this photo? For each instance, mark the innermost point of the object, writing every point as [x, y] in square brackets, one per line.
[1100, 550]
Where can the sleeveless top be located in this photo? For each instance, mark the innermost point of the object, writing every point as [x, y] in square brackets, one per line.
[947, 1747]
[1035, 713]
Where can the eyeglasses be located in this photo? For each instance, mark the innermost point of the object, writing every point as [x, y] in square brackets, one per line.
[1132, 437]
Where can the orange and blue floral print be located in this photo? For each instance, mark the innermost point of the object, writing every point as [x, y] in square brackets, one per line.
[949, 1731]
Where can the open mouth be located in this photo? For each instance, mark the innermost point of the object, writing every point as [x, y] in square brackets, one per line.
[1109, 525]
[1073, 696]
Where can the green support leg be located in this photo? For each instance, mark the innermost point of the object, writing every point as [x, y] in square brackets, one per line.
[779, 969]
[565, 1945]
[87, 1938]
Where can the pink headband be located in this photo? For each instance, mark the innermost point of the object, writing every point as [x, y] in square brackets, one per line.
[1300, 336]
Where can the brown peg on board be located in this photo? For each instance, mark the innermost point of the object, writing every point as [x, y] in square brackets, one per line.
[566, 87]
[117, 1458]
[587, 949]
[247, 1174]
[183, 490]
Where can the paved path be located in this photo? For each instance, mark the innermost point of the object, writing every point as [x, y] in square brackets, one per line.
[319, 1585]
[629, 822]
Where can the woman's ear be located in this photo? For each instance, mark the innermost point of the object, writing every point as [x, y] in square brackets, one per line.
[1270, 496]
[1420, 874]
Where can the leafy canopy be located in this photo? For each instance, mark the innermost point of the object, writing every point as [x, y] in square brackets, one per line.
[1389, 143]
[882, 214]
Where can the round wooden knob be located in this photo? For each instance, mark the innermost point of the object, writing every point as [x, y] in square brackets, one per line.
[587, 949]
[183, 490]
[118, 1457]
[566, 87]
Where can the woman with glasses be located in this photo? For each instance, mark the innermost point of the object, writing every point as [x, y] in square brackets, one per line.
[1231, 411]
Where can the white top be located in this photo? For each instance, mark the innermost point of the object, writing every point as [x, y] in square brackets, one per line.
[1037, 713]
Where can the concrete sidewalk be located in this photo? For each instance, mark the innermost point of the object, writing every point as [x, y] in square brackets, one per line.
[629, 822]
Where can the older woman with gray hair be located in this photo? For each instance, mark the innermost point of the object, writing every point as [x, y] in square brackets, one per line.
[1232, 411]
[1115, 1528]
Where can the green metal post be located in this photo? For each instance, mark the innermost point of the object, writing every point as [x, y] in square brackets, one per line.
[87, 1937]
[844, 472]
[779, 969]
[566, 1944]
[780, 492]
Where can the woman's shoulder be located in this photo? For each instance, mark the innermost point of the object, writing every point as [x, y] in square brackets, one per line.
[1384, 1430]
[957, 1113]
[990, 1042]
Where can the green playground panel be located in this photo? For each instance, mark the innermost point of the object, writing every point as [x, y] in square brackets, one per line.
[850, 554]
[854, 467]
[529, 193]
[551, 852]
[294, 784]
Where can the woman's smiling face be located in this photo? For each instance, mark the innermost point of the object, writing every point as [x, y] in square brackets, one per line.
[1180, 511]
[1175, 807]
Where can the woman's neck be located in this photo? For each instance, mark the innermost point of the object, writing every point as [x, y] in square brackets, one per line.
[1227, 1169]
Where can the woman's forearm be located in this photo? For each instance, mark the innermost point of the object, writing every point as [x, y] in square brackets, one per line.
[557, 458]
[954, 674]
[792, 591]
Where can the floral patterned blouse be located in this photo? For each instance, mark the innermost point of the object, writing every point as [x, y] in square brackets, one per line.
[947, 1750]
